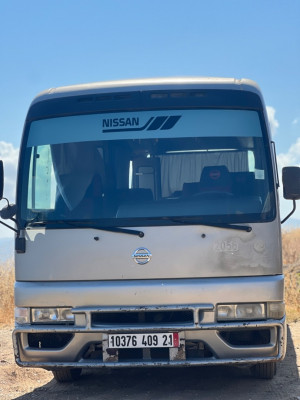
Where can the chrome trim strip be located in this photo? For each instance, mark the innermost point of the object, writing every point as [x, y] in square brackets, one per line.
[211, 326]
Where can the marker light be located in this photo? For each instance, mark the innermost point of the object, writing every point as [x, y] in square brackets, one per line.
[276, 310]
[22, 316]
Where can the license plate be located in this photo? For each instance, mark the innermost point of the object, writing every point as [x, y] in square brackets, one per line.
[143, 340]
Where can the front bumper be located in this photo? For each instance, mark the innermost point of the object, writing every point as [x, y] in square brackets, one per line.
[202, 342]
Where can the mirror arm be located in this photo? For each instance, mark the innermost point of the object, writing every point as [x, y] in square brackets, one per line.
[12, 219]
[292, 212]
[10, 227]
[7, 209]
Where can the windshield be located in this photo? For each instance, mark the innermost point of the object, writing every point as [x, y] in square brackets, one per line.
[147, 167]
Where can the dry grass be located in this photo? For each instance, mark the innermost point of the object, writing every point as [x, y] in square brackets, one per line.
[7, 278]
[291, 247]
[291, 262]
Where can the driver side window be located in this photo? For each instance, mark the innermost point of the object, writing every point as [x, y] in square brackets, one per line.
[42, 182]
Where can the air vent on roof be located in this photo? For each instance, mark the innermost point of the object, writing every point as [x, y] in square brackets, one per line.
[176, 95]
[105, 97]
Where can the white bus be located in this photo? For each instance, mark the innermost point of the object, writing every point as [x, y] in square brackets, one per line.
[148, 228]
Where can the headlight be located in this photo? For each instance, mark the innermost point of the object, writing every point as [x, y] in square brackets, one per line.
[22, 316]
[245, 312]
[51, 315]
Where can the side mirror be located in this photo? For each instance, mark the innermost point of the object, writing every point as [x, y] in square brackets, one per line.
[1, 179]
[291, 186]
[291, 183]
[8, 212]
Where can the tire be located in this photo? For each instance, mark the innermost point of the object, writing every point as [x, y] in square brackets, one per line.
[264, 370]
[66, 374]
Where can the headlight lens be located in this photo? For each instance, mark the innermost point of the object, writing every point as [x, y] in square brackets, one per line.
[245, 312]
[51, 315]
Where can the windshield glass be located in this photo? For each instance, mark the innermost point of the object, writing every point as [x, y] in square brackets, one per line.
[147, 167]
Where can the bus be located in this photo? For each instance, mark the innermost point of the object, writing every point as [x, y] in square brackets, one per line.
[147, 228]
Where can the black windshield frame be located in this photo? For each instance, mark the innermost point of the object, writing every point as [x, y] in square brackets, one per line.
[141, 101]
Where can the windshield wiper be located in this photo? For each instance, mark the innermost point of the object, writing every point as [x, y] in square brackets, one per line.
[78, 224]
[193, 221]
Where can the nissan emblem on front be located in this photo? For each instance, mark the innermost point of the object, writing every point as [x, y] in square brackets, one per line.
[141, 255]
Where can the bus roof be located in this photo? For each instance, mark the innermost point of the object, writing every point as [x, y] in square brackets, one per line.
[174, 83]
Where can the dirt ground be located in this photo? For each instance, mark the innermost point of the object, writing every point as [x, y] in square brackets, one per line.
[217, 383]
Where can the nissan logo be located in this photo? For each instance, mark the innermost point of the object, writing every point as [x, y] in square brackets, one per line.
[141, 255]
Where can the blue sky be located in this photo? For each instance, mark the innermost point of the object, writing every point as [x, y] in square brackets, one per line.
[60, 42]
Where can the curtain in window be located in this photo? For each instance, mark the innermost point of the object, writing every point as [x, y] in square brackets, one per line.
[177, 169]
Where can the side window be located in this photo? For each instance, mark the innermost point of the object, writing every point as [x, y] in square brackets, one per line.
[42, 182]
[251, 161]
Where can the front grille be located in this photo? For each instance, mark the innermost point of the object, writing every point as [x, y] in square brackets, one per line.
[193, 350]
[143, 317]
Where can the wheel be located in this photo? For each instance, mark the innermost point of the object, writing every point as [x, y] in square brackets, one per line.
[66, 374]
[264, 370]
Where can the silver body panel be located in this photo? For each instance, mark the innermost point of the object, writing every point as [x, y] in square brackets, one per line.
[178, 252]
[144, 293]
